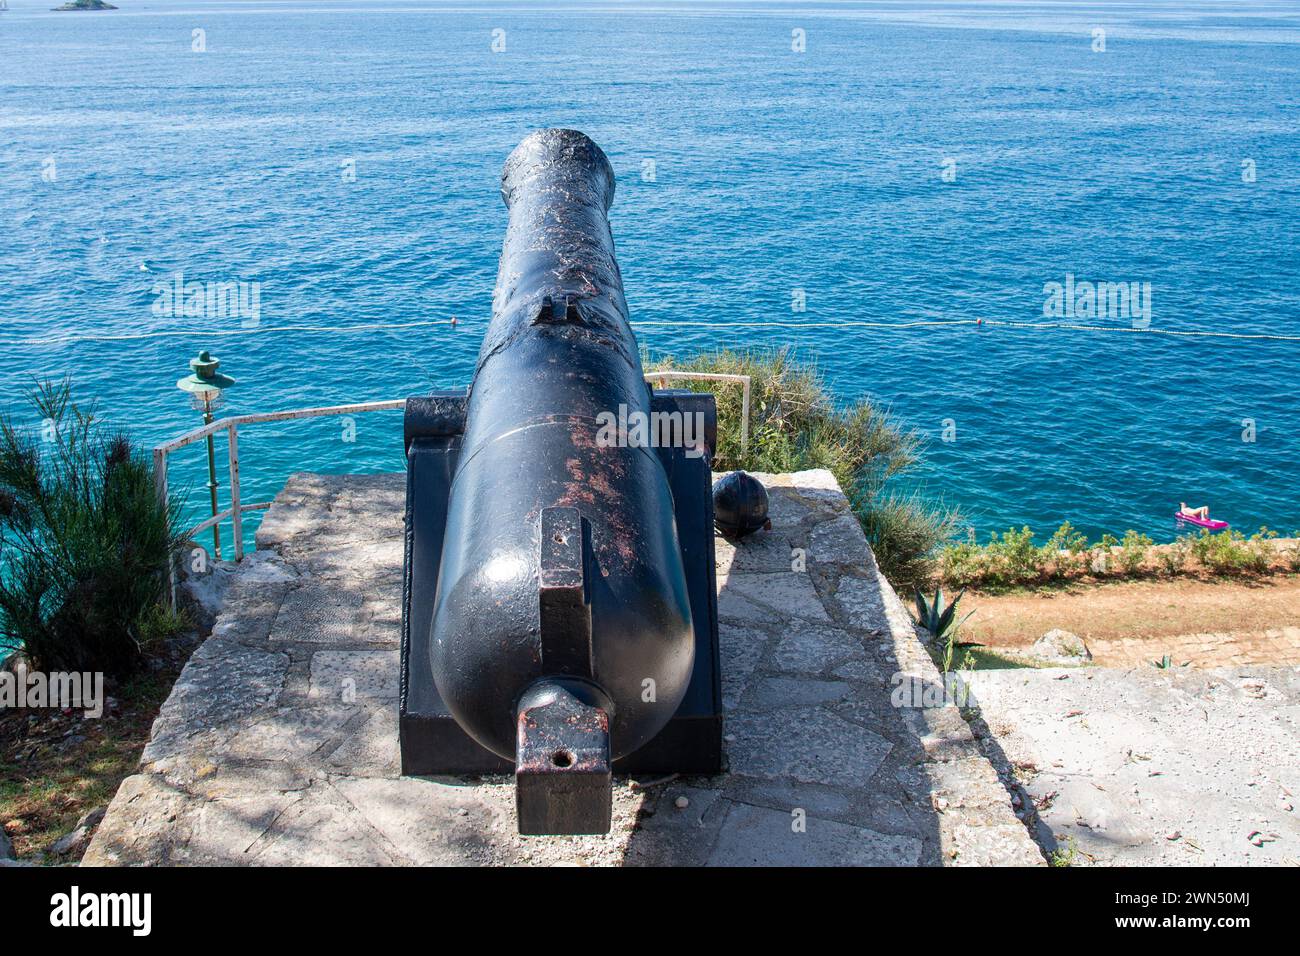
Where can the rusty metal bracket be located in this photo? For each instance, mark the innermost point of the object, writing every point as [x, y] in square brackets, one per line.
[563, 782]
[563, 603]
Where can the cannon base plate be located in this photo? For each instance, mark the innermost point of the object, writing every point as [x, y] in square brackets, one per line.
[432, 743]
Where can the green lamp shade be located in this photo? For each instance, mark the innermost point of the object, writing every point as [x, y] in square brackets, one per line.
[205, 377]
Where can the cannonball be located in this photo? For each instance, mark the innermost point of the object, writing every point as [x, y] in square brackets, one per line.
[739, 505]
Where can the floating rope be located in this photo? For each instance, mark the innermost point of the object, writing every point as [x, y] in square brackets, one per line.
[1146, 331]
[1070, 326]
[72, 339]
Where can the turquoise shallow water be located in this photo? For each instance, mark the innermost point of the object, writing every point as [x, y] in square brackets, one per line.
[773, 171]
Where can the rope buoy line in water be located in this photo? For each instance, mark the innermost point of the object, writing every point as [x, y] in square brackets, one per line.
[1198, 333]
[80, 337]
[1068, 326]
[74, 338]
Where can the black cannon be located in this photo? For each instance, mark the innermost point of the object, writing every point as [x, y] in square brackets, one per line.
[559, 611]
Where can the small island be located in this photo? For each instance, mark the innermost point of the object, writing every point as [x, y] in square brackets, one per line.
[86, 5]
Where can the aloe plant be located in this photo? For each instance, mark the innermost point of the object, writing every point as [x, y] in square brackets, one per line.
[942, 623]
[937, 618]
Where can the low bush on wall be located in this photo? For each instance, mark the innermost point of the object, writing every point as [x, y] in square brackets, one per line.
[1012, 559]
[796, 425]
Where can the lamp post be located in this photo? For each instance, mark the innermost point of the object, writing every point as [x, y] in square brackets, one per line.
[205, 385]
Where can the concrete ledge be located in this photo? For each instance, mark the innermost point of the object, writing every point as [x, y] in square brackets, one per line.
[278, 744]
[1155, 767]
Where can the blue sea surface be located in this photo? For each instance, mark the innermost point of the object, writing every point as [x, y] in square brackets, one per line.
[747, 170]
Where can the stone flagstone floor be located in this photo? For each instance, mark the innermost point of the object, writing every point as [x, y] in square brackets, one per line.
[278, 744]
[1154, 767]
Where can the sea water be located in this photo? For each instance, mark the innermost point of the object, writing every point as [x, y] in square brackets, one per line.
[819, 176]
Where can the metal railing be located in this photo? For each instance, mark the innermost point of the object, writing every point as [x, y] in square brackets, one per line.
[662, 378]
[232, 425]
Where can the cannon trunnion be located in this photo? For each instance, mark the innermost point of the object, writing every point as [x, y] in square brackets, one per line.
[559, 603]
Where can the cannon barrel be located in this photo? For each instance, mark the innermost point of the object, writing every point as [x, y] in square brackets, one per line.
[562, 634]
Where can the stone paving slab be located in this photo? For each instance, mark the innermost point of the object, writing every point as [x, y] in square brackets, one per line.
[278, 744]
[1232, 649]
[1154, 766]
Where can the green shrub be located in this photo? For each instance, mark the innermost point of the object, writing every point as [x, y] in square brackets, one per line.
[1010, 559]
[1225, 552]
[904, 531]
[1260, 551]
[1023, 561]
[1231, 552]
[1200, 546]
[795, 425]
[963, 563]
[1067, 551]
[83, 537]
[1133, 551]
[1103, 553]
[1173, 559]
[160, 622]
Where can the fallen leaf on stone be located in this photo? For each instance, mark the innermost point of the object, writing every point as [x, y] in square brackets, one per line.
[1259, 839]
